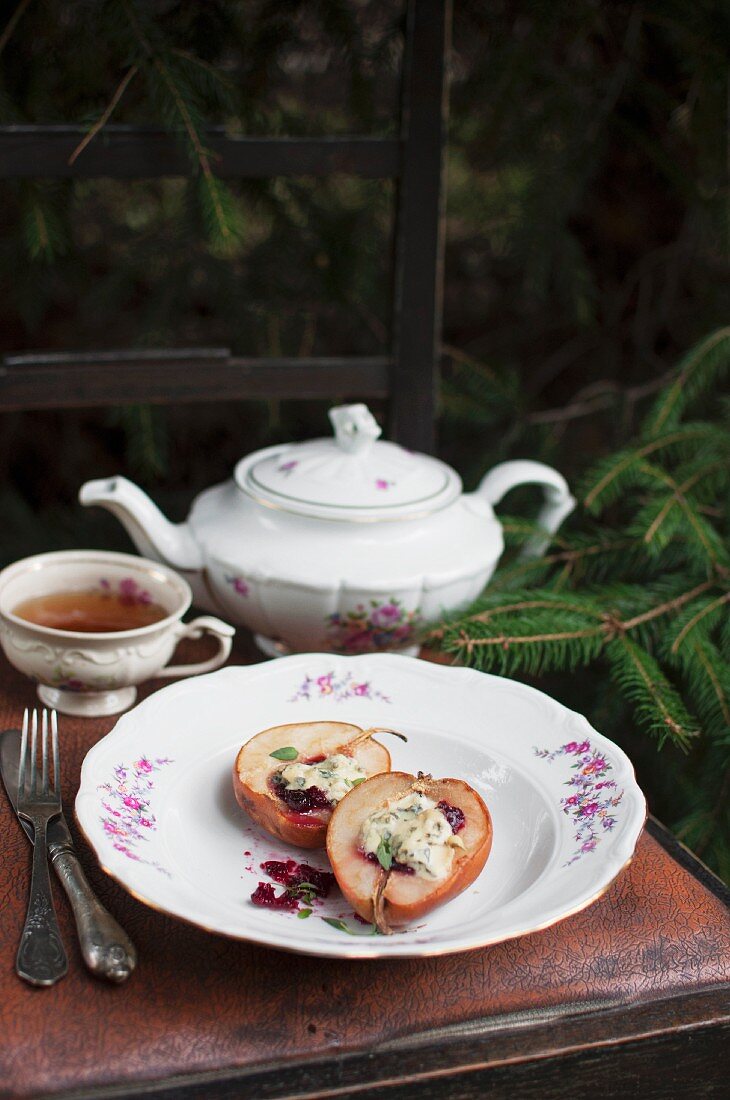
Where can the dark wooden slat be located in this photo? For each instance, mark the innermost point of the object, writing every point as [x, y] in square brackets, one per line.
[126, 152]
[419, 237]
[172, 377]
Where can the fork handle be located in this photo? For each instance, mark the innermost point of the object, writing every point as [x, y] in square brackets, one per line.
[107, 949]
[41, 959]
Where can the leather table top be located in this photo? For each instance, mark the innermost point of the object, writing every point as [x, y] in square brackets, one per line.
[199, 1003]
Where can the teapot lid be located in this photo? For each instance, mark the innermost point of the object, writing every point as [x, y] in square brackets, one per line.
[352, 475]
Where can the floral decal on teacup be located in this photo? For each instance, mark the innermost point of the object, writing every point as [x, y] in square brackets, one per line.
[383, 624]
[128, 590]
[338, 688]
[383, 483]
[593, 797]
[128, 820]
[60, 679]
[286, 468]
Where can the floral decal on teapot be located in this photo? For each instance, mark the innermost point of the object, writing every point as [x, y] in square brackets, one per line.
[238, 585]
[381, 624]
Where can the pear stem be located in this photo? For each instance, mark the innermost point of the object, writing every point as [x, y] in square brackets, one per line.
[365, 735]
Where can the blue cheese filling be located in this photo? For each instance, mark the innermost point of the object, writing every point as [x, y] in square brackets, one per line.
[335, 775]
[415, 833]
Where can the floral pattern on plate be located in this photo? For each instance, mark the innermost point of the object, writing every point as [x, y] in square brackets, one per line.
[128, 819]
[382, 624]
[593, 798]
[337, 688]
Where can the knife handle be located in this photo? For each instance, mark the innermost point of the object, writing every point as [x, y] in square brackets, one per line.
[107, 949]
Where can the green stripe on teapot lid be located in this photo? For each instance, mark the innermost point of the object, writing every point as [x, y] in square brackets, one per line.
[350, 475]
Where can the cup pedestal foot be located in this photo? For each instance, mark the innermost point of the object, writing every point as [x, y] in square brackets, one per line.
[87, 704]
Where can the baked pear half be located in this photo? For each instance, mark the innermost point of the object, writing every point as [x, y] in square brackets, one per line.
[290, 778]
[400, 845]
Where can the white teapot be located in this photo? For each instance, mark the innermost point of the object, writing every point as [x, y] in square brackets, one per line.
[347, 544]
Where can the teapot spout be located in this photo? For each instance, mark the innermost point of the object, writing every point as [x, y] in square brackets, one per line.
[153, 535]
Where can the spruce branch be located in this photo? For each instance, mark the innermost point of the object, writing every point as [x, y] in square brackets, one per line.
[656, 701]
[623, 470]
[214, 193]
[695, 525]
[106, 113]
[12, 23]
[701, 369]
[717, 676]
[645, 594]
[678, 497]
[43, 228]
[698, 617]
[667, 607]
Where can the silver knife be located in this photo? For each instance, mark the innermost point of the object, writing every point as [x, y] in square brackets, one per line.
[107, 949]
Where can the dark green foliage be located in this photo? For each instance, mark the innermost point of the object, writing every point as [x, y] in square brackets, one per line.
[646, 593]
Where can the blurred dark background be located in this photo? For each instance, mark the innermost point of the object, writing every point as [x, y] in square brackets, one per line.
[587, 229]
[587, 240]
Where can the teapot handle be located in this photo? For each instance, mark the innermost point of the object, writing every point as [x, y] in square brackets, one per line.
[559, 502]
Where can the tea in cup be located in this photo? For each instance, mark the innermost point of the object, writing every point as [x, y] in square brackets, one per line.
[89, 625]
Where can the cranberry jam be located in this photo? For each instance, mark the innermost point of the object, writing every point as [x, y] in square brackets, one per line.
[292, 873]
[303, 801]
[453, 815]
[264, 896]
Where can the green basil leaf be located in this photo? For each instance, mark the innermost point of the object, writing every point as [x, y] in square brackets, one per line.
[340, 925]
[287, 753]
[304, 913]
[384, 854]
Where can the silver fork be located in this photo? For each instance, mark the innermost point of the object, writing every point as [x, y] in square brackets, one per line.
[41, 959]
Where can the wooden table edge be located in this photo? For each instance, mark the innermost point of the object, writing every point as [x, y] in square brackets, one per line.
[449, 1058]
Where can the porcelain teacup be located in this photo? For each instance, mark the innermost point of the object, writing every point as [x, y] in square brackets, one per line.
[89, 674]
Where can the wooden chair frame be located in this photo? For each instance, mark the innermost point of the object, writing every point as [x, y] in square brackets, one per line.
[407, 376]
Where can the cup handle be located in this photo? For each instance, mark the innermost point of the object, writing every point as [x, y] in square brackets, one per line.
[205, 624]
[559, 502]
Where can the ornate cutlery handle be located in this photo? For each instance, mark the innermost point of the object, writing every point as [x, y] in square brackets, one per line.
[107, 949]
[41, 959]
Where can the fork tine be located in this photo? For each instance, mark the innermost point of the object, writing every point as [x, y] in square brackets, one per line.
[44, 751]
[56, 755]
[23, 756]
[33, 752]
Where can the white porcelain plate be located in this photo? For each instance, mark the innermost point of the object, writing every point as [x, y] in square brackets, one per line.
[156, 800]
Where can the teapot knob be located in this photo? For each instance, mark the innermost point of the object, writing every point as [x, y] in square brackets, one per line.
[356, 429]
